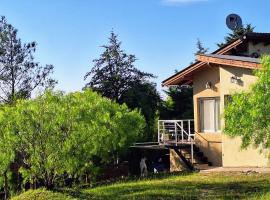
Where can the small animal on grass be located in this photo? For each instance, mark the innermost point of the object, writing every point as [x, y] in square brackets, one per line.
[143, 167]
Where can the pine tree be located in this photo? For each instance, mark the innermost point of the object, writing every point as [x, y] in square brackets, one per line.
[237, 34]
[114, 72]
[20, 74]
[200, 48]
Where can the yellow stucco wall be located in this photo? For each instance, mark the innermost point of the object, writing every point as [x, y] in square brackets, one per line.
[220, 149]
[209, 143]
[232, 155]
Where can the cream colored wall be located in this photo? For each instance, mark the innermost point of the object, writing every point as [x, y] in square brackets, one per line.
[232, 155]
[209, 143]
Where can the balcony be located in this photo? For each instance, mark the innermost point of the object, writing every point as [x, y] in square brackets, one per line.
[176, 132]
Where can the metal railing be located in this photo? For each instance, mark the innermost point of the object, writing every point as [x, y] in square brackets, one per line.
[176, 132]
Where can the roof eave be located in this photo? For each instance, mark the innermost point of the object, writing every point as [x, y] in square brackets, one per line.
[228, 62]
[169, 81]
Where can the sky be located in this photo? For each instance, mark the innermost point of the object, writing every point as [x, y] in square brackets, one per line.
[161, 33]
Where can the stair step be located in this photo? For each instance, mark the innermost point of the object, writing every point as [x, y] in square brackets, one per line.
[200, 154]
[187, 156]
[201, 166]
[204, 159]
[196, 149]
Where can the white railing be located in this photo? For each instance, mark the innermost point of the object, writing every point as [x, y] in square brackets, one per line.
[176, 132]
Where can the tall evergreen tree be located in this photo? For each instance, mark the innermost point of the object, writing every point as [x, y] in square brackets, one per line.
[20, 74]
[200, 48]
[237, 34]
[115, 76]
[114, 72]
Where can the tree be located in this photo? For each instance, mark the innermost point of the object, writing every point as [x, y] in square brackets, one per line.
[114, 72]
[237, 33]
[247, 113]
[20, 74]
[59, 134]
[144, 96]
[179, 103]
[200, 48]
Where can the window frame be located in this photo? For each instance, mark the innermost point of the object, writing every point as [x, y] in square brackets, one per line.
[217, 120]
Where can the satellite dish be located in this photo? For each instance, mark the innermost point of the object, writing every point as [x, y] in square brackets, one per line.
[234, 21]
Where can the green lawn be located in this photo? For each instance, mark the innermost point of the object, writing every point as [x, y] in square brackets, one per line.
[189, 186]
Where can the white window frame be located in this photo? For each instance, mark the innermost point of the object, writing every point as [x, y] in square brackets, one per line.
[217, 122]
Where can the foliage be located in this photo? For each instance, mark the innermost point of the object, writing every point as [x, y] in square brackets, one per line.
[57, 135]
[200, 48]
[247, 115]
[114, 72]
[179, 103]
[237, 34]
[181, 186]
[115, 76]
[144, 95]
[20, 74]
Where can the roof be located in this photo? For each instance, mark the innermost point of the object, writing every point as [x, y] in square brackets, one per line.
[197, 64]
[254, 37]
[230, 57]
[258, 36]
[237, 61]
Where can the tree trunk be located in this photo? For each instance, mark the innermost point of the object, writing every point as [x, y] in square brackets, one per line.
[6, 185]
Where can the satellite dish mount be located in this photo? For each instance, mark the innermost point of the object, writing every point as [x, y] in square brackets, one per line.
[234, 21]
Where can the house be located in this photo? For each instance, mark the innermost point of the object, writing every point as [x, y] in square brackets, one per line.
[214, 77]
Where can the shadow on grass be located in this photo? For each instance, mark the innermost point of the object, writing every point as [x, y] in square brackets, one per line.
[173, 187]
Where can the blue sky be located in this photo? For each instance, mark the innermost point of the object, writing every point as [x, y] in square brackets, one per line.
[161, 33]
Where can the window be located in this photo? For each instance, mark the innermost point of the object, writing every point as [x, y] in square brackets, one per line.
[209, 114]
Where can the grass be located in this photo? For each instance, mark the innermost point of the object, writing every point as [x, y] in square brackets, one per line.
[186, 186]
[42, 194]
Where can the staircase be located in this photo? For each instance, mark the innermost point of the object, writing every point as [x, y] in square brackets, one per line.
[179, 136]
[200, 161]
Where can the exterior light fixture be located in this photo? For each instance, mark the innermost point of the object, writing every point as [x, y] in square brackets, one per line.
[208, 85]
[235, 79]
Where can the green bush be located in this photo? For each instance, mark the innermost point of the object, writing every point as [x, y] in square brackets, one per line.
[57, 134]
[247, 115]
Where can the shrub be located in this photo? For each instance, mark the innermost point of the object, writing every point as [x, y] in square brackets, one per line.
[57, 135]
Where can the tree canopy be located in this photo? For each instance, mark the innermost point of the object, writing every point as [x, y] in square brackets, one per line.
[57, 134]
[237, 33]
[145, 97]
[115, 76]
[247, 114]
[20, 74]
[200, 48]
[179, 103]
[114, 72]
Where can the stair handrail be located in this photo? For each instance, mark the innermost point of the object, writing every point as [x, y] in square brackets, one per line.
[174, 126]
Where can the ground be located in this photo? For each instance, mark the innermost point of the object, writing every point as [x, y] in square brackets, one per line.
[227, 185]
